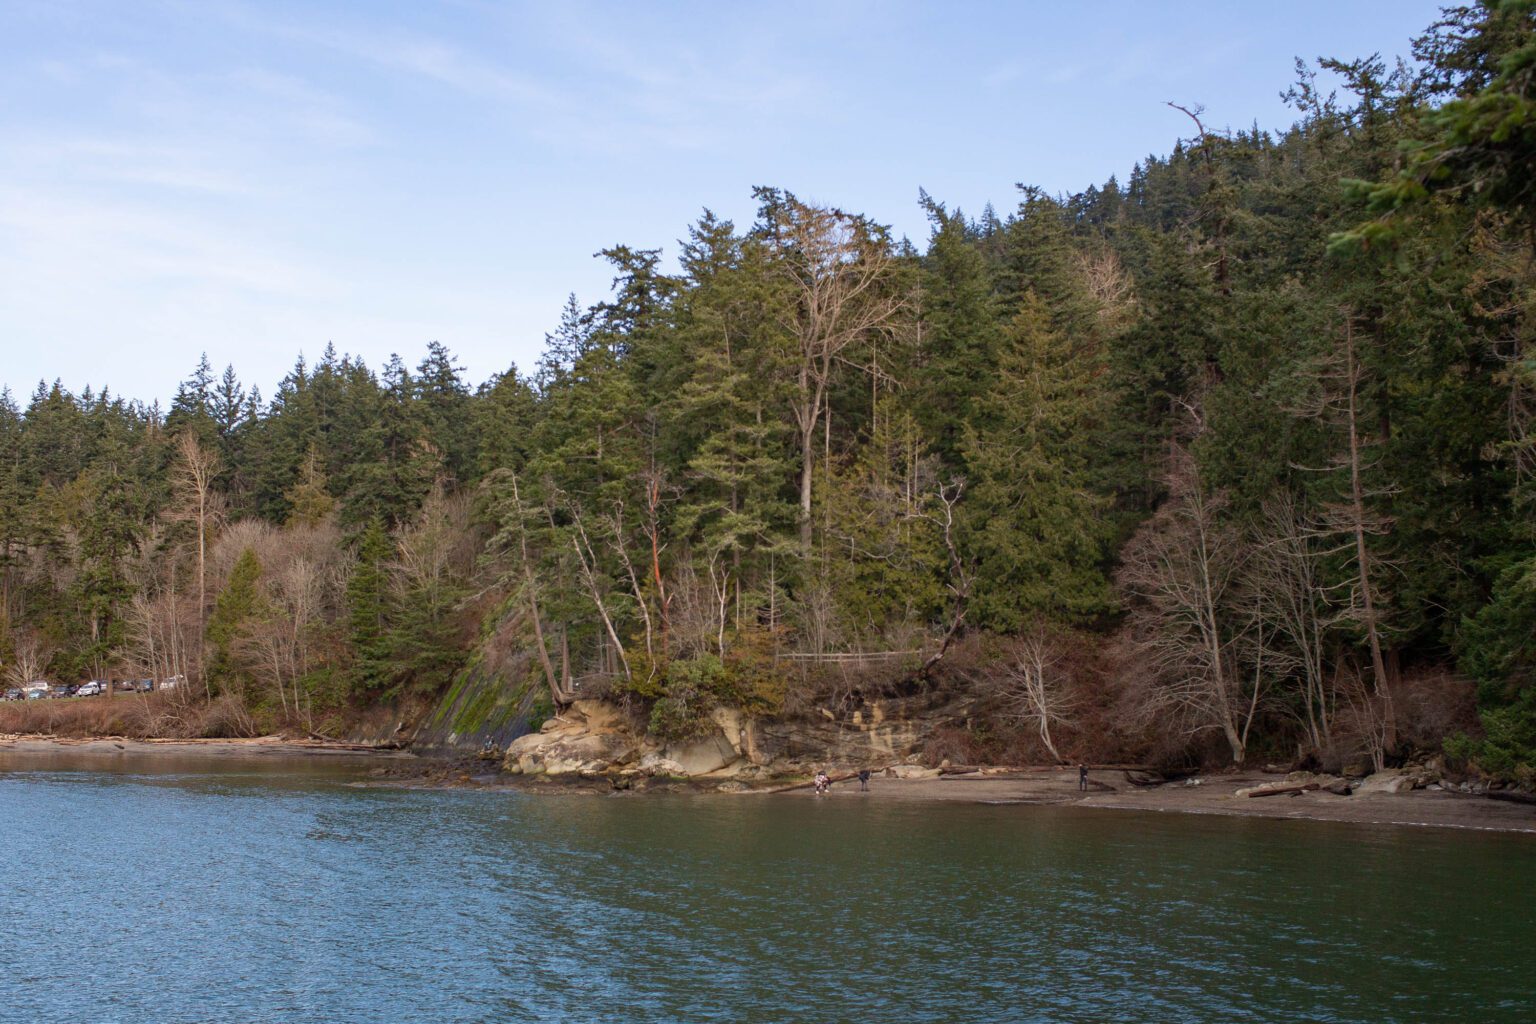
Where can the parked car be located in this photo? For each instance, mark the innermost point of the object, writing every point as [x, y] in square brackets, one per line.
[15, 693]
[123, 686]
[144, 685]
[38, 694]
[90, 689]
[172, 682]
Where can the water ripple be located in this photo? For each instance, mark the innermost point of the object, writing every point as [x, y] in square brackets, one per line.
[266, 895]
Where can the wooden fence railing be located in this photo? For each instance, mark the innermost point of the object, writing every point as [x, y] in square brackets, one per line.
[851, 657]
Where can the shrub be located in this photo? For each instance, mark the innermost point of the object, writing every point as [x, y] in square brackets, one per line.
[1508, 750]
[681, 693]
[681, 715]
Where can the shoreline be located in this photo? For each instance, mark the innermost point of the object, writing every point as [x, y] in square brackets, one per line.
[257, 746]
[1214, 795]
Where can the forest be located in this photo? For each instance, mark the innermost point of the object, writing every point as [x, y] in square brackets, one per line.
[1231, 461]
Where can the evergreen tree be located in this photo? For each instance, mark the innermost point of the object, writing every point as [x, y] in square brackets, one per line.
[368, 610]
[1037, 531]
[443, 405]
[961, 320]
[238, 605]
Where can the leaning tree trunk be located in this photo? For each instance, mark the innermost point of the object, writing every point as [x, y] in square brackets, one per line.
[1362, 552]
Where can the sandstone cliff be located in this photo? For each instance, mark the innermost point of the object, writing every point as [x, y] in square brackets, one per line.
[596, 737]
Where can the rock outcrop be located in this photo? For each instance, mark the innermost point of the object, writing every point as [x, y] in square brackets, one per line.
[595, 737]
[590, 736]
[1397, 780]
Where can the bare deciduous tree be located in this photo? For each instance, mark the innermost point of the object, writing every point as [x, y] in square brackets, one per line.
[1290, 599]
[1034, 690]
[197, 503]
[960, 574]
[1182, 567]
[31, 653]
[1355, 517]
[838, 266]
[1109, 285]
[529, 585]
[301, 590]
[587, 560]
[157, 633]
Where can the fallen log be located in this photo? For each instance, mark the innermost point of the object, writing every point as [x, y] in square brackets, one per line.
[1046, 768]
[1299, 788]
[1144, 779]
[335, 744]
[1512, 796]
[835, 779]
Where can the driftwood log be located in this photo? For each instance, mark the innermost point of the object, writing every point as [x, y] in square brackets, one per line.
[1024, 769]
[336, 744]
[1144, 779]
[844, 777]
[973, 773]
[1299, 788]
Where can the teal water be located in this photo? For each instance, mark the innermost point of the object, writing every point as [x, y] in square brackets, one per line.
[175, 892]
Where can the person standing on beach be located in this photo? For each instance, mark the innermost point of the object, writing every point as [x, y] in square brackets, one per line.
[863, 780]
[1082, 778]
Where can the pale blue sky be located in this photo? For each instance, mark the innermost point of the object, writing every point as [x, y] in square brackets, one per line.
[256, 179]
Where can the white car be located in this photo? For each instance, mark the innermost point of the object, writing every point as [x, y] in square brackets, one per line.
[90, 689]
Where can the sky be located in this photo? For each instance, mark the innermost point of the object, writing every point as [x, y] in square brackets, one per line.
[255, 180]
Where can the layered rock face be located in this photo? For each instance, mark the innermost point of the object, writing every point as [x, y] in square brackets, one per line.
[592, 737]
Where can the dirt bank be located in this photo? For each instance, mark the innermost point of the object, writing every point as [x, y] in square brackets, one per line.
[1213, 795]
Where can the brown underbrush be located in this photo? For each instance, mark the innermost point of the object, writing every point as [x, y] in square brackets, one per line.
[134, 715]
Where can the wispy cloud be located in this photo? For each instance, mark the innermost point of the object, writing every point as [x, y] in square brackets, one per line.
[413, 53]
[566, 75]
[67, 235]
[98, 160]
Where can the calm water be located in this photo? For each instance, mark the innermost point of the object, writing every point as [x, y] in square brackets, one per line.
[178, 892]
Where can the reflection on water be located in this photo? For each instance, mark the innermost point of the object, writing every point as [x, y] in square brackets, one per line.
[171, 891]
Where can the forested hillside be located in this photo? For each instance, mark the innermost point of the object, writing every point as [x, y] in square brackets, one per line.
[1229, 460]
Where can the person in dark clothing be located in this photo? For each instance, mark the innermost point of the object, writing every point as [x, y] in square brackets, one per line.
[863, 780]
[1082, 778]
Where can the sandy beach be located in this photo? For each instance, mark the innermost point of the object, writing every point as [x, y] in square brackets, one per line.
[1214, 794]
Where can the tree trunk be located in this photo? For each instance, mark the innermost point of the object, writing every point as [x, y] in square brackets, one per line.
[1362, 553]
[560, 696]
